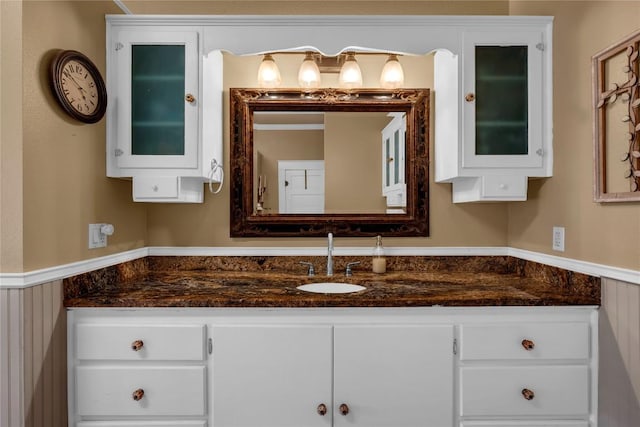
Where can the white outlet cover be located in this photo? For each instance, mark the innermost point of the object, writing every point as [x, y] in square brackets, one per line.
[96, 238]
[558, 239]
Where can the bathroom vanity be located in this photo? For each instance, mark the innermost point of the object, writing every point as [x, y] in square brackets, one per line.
[234, 348]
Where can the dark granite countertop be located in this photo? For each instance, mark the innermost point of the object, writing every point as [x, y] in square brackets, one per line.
[267, 282]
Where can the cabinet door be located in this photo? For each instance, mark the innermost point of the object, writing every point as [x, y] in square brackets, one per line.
[502, 106]
[157, 120]
[393, 376]
[271, 376]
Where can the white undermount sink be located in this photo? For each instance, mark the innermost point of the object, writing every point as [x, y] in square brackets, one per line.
[331, 288]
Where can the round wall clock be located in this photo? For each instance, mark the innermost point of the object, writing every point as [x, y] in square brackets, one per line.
[78, 86]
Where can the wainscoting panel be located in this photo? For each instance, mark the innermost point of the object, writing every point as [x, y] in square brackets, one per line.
[33, 351]
[619, 382]
[11, 364]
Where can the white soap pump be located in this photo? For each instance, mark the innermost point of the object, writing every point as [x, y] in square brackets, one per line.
[379, 262]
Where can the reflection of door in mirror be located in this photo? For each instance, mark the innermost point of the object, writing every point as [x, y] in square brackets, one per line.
[349, 144]
[301, 186]
[394, 187]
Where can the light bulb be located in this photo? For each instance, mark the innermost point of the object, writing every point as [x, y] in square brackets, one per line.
[268, 73]
[350, 74]
[392, 76]
[309, 73]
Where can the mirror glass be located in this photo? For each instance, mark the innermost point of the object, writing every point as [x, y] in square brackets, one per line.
[330, 162]
[351, 162]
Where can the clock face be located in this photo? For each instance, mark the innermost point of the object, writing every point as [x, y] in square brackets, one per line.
[78, 86]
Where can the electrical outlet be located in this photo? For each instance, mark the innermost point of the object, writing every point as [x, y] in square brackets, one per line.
[558, 239]
[97, 239]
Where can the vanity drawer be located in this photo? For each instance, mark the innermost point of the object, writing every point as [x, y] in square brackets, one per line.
[525, 341]
[143, 424]
[166, 391]
[524, 424]
[140, 342]
[498, 391]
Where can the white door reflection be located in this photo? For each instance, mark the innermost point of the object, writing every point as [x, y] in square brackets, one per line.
[301, 186]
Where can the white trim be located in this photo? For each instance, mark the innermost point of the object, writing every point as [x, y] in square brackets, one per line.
[123, 7]
[290, 126]
[50, 274]
[322, 251]
[585, 267]
[36, 277]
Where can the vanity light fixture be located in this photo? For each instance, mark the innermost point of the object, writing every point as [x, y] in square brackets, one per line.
[392, 76]
[309, 73]
[268, 73]
[350, 74]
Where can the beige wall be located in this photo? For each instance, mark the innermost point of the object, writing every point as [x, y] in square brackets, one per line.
[53, 169]
[353, 162]
[64, 182]
[606, 233]
[11, 255]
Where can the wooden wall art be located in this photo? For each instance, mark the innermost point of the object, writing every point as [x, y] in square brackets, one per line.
[616, 134]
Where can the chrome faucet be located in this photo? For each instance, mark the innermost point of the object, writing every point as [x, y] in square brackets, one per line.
[330, 255]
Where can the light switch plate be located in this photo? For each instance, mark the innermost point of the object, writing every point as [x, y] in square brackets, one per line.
[558, 239]
[96, 238]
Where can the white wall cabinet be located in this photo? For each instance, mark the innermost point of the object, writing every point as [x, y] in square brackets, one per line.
[156, 108]
[493, 119]
[443, 367]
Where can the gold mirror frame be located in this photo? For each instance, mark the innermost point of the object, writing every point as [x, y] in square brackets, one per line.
[628, 93]
[246, 223]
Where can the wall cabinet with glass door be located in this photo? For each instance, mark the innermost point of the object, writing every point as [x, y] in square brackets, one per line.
[504, 102]
[155, 93]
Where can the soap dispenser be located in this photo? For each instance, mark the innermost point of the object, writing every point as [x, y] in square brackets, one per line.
[379, 262]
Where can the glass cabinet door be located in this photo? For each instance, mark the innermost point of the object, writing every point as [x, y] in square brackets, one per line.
[502, 101]
[157, 105]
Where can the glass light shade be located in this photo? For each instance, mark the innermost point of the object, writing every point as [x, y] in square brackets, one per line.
[309, 73]
[392, 76]
[268, 73]
[350, 74]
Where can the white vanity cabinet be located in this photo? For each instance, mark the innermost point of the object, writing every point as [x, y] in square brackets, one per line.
[493, 119]
[340, 375]
[386, 367]
[155, 132]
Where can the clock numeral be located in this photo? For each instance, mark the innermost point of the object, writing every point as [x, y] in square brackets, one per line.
[91, 85]
[79, 107]
[78, 68]
[66, 73]
[92, 103]
[66, 91]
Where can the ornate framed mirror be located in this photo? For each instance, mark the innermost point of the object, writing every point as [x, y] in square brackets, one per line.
[351, 162]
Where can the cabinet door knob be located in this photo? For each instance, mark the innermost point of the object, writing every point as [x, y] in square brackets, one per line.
[137, 345]
[138, 394]
[528, 345]
[528, 394]
[344, 409]
[470, 97]
[190, 98]
[322, 409]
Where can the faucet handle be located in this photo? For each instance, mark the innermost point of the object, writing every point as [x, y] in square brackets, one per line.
[312, 271]
[348, 271]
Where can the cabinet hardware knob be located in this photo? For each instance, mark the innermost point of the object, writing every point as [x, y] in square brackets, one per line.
[322, 409]
[528, 394]
[138, 394]
[528, 345]
[190, 98]
[137, 345]
[344, 409]
[470, 97]
[155, 188]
